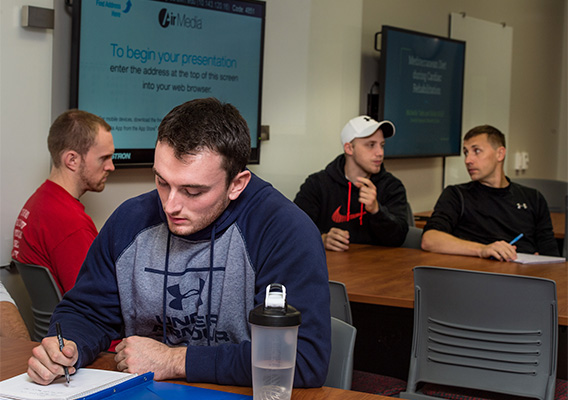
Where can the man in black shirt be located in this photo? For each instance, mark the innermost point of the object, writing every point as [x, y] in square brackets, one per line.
[481, 217]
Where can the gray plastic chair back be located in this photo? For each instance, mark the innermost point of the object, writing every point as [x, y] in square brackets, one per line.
[410, 215]
[484, 331]
[554, 191]
[340, 372]
[339, 302]
[44, 295]
[413, 238]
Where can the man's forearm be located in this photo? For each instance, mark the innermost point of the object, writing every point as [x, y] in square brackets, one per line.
[11, 323]
[442, 242]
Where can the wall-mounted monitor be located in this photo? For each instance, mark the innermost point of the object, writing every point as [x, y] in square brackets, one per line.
[421, 91]
[134, 60]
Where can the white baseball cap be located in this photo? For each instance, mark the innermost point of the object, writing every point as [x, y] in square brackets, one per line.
[363, 126]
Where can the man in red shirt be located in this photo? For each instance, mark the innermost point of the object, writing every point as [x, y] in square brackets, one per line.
[53, 229]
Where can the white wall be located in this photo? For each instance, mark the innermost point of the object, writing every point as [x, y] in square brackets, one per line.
[317, 59]
[487, 83]
[25, 113]
[312, 71]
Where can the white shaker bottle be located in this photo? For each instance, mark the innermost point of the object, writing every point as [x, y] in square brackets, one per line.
[274, 339]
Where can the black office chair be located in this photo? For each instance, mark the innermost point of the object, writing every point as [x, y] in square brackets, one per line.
[482, 331]
[44, 294]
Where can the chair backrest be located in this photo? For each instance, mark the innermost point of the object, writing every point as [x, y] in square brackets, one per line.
[554, 191]
[44, 295]
[413, 238]
[339, 302]
[410, 215]
[486, 331]
[12, 280]
[340, 372]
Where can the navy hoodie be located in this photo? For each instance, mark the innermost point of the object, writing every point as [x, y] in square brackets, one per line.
[197, 291]
[331, 201]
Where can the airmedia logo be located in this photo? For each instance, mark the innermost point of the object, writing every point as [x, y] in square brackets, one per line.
[169, 19]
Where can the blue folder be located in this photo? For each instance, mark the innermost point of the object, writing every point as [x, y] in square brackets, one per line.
[144, 387]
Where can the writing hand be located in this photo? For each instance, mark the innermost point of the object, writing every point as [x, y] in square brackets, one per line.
[137, 354]
[336, 240]
[368, 194]
[499, 250]
[47, 361]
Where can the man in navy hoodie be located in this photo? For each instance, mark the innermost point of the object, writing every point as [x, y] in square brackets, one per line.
[176, 271]
[354, 199]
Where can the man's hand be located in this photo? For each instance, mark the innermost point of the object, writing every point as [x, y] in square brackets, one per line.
[139, 355]
[336, 240]
[47, 361]
[442, 242]
[499, 250]
[367, 195]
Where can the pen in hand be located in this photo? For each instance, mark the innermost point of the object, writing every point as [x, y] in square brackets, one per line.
[515, 240]
[60, 339]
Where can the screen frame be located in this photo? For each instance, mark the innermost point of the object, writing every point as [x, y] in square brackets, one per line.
[144, 157]
[382, 87]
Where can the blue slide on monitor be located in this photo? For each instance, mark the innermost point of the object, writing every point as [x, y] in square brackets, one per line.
[136, 60]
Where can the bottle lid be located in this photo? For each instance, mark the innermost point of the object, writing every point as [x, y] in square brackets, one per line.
[275, 311]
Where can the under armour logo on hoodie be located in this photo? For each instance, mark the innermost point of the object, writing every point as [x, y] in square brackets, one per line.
[519, 206]
[176, 303]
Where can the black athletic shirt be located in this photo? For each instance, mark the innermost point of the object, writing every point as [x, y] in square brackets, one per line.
[479, 213]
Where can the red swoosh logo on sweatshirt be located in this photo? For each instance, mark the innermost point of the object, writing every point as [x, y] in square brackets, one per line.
[338, 218]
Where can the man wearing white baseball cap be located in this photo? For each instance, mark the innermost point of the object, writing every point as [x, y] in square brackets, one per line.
[354, 199]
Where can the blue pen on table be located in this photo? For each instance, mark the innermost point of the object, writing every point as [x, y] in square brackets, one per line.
[515, 240]
[60, 339]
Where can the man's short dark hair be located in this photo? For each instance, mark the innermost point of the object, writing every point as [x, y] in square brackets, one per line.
[73, 130]
[494, 135]
[208, 124]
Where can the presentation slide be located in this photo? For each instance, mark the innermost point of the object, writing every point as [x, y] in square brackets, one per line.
[139, 59]
[423, 93]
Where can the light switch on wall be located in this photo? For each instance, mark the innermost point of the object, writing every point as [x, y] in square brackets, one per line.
[518, 161]
[521, 161]
[524, 161]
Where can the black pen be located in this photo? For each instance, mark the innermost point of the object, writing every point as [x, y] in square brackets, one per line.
[60, 339]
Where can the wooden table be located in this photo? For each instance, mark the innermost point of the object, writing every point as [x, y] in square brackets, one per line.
[557, 218]
[14, 354]
[558, 224]
[380, 284]
[383, 275]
